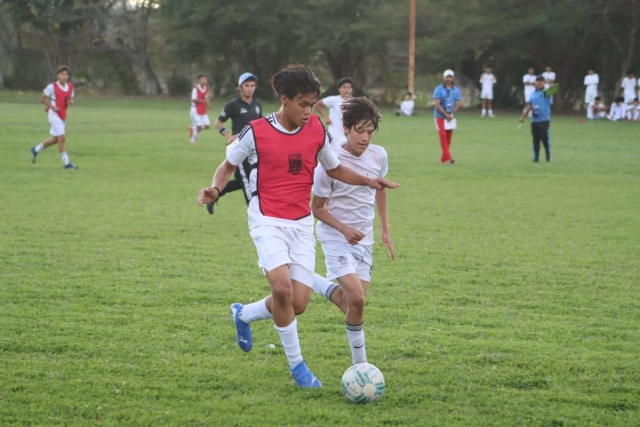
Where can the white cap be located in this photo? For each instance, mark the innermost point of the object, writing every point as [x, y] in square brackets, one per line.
[448, 73]
[246, 76]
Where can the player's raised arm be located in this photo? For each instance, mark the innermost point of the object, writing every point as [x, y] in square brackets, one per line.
[346, 175]
[320, 109]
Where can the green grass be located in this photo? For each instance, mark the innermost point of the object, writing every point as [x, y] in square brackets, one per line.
[513, 302]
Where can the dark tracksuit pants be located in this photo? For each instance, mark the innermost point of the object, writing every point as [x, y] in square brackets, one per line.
[540, 133]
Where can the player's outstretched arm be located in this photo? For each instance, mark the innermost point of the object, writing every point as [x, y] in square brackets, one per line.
[352, 235]
[381, 205]
[220, 180]
[346, 175]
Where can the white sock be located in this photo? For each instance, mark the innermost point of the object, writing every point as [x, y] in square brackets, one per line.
[194, 138]
[255, 311]
[483, 112]
[324, 287]
[491, 112]
[39, 147]
[290, 343]
[355, 334]
[65, 158]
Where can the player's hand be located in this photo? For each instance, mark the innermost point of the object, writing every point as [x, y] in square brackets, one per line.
[208, 103]
[380, 183]
[449, 117]
[328, 121]
[70, 102]
[521, 120]
[54, 108]
[352, 235]
[386, 240]
[231, 139]
[208, 195]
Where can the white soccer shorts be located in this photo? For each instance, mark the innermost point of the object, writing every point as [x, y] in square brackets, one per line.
[199, 120]
[342, 258]
[57, 125]
[487, 94]
[590, 94]
[290, 246]
[629, 97]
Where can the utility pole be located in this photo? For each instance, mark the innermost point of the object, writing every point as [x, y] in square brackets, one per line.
[412, 44]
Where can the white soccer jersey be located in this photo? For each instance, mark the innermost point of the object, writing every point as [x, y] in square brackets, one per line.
[407, 107]
[633, 112]
[591, 80]
[333, 103]
[50, 92]
[528, 90]
[244, 147]
[487, 81]
[351, 204]
[549, 75]
[629, 86]
[617, 112]
[590, 111]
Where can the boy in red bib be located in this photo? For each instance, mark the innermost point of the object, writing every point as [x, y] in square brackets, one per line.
[283, 150]
[58, 96]
[199, 104]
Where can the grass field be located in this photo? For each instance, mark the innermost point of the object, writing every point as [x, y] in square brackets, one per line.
[514, 301]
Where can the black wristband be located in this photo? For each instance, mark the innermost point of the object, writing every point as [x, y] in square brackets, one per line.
[218, 190]
[222, 130]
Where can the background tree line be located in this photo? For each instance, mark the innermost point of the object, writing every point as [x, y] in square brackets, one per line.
[157, 47]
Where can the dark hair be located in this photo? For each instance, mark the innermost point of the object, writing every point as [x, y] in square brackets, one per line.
[409, 93]
[618, 99]
[344, 81]
[358, 110]
[539, 78]
[629, 71]
[636, 99]
[201, 76]
[295, 80]
[63, 68]
[597, 98]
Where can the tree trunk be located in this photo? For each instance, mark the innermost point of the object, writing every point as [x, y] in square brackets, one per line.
[152, 83]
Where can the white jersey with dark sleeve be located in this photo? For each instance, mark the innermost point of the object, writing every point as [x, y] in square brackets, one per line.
[244, 147]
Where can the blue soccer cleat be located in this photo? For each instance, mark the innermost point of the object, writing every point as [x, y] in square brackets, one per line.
[70, 166]
[243, 329]
[304, 377]
[34, 154]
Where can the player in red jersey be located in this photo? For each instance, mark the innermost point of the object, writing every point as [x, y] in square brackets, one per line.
[57, 96]
[199, 105]
[283, 150]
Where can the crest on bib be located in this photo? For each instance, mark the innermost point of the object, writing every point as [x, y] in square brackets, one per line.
[295, 163]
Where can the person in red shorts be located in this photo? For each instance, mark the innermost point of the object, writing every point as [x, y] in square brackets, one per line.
[446, 102]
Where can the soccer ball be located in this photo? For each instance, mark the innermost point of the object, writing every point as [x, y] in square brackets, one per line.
[363, 383]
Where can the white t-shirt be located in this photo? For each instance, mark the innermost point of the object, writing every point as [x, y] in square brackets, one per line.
[617, 112]
[50, 92]
[591, 113]
[194, 95]
[487, 80]
[333, 103]
[244, 147]
[407, 107]
[629, 85]
[591, 80]
[351, 204]
[529, 78]
[549, 75]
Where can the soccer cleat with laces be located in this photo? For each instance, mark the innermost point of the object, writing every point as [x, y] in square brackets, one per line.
[70, 166]
[243, 329]
[34, 154]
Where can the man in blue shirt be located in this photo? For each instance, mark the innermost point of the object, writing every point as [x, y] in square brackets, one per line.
[540, 107]
[446, 102]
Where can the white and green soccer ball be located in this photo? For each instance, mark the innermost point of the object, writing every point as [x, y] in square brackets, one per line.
[363, 383]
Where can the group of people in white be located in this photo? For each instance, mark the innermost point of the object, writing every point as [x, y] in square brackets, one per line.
[624, 107]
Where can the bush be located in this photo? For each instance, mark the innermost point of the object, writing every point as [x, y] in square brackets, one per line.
[178, 85]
